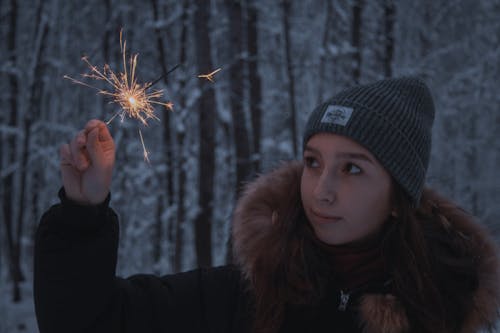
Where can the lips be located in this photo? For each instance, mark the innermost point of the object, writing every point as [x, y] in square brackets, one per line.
[325, 218]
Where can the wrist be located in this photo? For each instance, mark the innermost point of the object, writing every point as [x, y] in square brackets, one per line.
[80, 217]
[68, 199]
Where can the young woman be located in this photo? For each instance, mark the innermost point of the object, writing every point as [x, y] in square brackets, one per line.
[348, 240]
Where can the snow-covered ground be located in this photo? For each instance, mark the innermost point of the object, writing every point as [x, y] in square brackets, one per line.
[17, 317]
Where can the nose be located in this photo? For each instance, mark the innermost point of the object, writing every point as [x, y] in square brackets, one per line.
[325, 190]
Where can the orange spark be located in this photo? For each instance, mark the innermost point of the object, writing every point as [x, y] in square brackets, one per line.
[209, 76]
[145, 152]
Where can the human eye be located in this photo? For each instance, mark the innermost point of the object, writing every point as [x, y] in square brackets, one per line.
[310, 162]
[352, 169]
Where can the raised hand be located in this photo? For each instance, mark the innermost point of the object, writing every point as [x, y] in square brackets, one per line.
[87, 164]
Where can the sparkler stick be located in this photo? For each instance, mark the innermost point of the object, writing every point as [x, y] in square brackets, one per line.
[135, 100]
[164, 75]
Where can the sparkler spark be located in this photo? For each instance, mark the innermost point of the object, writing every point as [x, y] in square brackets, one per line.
[145, 152]
[135, 100]
[209, 76]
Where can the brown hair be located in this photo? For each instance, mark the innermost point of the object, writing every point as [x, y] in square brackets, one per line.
[433, 275]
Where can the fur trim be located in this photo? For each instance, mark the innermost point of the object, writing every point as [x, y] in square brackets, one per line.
[272, 194]
[258, 209]
[383, 314]
[483, 312]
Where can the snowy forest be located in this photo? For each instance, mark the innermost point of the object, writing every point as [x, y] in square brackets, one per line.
[278, 60]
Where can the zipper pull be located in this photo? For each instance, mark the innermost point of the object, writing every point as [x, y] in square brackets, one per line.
[344, 299]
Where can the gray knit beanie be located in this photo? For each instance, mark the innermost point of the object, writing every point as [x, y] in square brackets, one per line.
[391, 118]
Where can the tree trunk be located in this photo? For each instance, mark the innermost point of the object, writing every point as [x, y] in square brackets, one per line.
[107, 47]
[157, 238]
[206, 111]
[181, 135]
[324, 45]
[389, 17]
[254, 84]
[167, 144]
[13, 248]
[424, 35]
[240, 129]
[237, 99]
[290, 77]
[36, 87]
[107, 32]
[167, 141]
[357, 11]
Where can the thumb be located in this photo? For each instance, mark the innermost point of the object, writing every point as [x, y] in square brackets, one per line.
[104, 135]
[93, 144]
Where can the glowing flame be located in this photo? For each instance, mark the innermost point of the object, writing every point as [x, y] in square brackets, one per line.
[134, 99]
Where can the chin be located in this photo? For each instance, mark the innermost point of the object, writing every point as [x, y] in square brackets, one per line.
[330, 240]
[333, 243]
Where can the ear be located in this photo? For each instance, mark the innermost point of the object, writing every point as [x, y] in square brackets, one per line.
[394, 213]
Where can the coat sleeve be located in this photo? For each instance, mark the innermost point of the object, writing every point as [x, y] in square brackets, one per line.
[76, 289]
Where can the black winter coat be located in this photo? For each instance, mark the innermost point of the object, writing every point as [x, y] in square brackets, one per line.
[76, 289]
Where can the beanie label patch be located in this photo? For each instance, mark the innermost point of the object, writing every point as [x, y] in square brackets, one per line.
[337, 114]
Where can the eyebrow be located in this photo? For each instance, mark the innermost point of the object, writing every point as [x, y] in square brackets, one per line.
[345, 155]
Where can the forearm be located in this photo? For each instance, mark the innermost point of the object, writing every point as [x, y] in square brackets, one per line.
[75, 260]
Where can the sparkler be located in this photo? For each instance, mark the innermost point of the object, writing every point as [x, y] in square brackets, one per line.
[209, 76]
[135, 100]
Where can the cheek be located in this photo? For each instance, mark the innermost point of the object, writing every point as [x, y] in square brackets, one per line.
[305, 188]
[377, 200]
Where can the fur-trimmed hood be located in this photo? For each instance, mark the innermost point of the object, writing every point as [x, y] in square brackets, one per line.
[274, 193]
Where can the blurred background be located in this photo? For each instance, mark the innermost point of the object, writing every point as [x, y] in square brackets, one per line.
[278, 60]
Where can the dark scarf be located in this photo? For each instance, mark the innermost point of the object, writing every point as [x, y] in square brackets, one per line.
[355, 266]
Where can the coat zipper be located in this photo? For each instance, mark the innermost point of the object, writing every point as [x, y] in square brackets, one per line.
[344, 299]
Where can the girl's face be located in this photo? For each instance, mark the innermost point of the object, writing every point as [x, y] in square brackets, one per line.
[346, 193]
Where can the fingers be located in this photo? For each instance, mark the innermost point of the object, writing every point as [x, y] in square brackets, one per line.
[87, 145]
[65, 155]
[93, 143]
[69, 173]
[91, 124]
[77, 149]
[104, 134]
